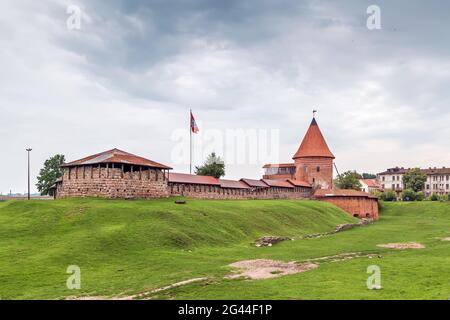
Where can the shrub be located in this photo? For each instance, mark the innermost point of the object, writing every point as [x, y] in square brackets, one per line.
[388, 195]
[434, 197]
[448, 197]
[420, 196]
[408, 195]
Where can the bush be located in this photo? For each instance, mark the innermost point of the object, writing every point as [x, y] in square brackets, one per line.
[388, 195]
[448, 197]
[420, 196]
[408, 195]
[434, 197]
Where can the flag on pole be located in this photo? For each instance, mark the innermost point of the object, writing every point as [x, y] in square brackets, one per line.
[194, 127]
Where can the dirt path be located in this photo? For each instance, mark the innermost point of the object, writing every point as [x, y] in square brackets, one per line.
[402, 246]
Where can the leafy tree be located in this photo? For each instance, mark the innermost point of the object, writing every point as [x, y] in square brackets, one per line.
[349, 180]
[408, 195]
[213, 166]
[420, 196]
[388, 195]
[434, 197]
[369, 176]
[414, 179]
[50, 173]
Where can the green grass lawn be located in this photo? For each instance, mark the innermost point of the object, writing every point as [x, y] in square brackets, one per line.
[127, 247]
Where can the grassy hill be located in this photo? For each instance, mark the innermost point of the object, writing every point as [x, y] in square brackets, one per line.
[130, 246]
[127, 247]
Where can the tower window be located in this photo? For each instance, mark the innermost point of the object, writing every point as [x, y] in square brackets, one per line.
[318, 169]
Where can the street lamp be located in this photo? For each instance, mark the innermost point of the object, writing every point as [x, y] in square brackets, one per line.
[28, 150]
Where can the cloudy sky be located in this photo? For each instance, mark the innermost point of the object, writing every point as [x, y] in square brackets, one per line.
[129, 75]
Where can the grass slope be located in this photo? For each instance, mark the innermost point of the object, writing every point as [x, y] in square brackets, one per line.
[131, 246]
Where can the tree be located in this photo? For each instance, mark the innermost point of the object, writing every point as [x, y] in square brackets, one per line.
[213, 166]
[349, 180]
[408, 195]
[420, 196]
[434, 197]
[369, 176]
[414, 179]
[50, 173]
[388, 195]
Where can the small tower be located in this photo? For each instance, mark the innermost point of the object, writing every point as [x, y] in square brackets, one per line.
[314, 160]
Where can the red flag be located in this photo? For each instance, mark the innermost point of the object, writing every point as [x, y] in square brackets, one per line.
[194, 127]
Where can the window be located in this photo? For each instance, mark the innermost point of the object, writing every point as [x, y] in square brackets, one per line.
[428, 187]
[384, 178]
[447, 186]
[318, 169]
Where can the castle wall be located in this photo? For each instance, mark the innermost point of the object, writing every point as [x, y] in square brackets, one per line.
[361, 207]
[107, 182]
[216, 192]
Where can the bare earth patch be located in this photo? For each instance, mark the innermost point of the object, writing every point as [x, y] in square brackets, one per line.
[265, 268]
[402, 246]
[140, 295]
[446, 239]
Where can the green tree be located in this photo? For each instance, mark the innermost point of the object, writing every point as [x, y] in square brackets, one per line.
[408, 195]
[50, 173]
[213, 166]
[414, 179]
[368, 176]
[388, 195]
[349, 180]
[420, 196]
[434, 197]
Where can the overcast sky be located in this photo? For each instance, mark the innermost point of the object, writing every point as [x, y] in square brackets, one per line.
[129, 75]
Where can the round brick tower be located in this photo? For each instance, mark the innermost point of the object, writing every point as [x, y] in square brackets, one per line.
[314, 160]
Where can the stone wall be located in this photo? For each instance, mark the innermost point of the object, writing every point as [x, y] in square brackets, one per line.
[109, 182]
[216, 192]
[361, 207]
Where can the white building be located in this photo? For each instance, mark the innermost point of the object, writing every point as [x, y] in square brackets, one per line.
[369, 185]
[438, 180]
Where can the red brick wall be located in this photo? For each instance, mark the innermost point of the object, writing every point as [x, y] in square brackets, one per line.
[216, 192]
[94, 181]
[360, 207]
[306, 170]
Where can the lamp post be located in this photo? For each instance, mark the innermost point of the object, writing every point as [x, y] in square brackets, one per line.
[28, 151]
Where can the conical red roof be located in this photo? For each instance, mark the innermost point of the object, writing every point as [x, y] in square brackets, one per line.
[313, 144]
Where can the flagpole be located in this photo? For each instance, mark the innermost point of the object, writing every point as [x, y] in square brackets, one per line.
[190, 141]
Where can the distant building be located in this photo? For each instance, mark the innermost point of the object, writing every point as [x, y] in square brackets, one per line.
[438, 180]
[370, 185]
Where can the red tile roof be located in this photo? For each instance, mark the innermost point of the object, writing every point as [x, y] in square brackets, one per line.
[116, 156]
[255, 183]
[279, 165]
[192, 179]
[299, 183]
[313, 144]
[323, 193]
[233, 184]
[370, 183]
[278, 183]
